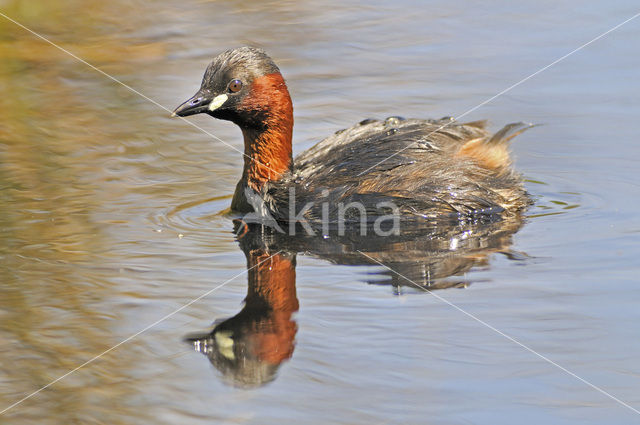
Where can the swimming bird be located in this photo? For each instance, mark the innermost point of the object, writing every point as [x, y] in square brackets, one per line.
[416, 168]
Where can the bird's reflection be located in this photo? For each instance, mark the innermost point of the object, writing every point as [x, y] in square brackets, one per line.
[249, 347]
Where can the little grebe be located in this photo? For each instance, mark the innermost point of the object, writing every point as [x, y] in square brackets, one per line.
[425, 168]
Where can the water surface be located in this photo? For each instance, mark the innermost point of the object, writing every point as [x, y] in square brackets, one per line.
[110, 216]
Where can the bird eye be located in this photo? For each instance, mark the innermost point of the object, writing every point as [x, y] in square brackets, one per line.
[235, 86]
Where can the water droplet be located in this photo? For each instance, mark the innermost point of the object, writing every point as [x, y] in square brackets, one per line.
[395, 120]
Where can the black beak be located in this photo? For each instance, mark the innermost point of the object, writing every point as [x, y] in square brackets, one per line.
[196, 105]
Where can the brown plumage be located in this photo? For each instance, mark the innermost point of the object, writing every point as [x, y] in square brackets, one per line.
[428, 169]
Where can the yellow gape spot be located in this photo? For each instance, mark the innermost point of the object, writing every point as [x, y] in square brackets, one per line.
[217, 102]
[225, 344]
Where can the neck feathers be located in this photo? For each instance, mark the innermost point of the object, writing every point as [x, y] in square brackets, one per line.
[267, 145]
[272, 286]
[272, 281]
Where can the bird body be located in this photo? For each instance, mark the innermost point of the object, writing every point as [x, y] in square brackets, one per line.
[415, 168]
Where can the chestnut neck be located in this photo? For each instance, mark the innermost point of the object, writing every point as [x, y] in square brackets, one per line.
[267, 146]
[272, 282]
[271, 300]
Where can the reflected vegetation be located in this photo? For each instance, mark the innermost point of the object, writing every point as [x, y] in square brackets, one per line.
[248, 348]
